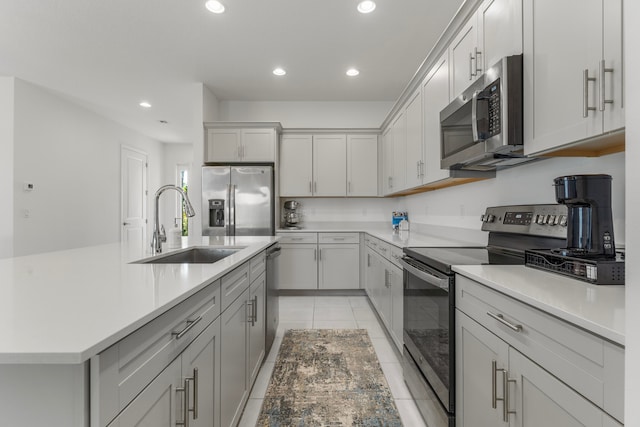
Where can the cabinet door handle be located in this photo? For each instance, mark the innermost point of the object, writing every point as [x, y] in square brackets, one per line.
[418, 169]
[319, 254]
[603, 97]
[315, 254]
[349, 187]
[185, 407]
[190, 324]
[476, 53]
[505, 385]
[585, 93]
[195, 394]
[310, 189]
[250, 316]
[494, 384]
[254, 306]
[368, 260]
[470, 65]
[500, 318]
[315, 187]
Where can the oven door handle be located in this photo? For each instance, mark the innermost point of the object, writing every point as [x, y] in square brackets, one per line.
[427, 277]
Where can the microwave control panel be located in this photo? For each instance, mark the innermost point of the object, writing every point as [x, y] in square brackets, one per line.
[493, 98]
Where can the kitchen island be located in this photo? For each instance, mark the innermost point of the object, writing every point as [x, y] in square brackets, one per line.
[60, 311]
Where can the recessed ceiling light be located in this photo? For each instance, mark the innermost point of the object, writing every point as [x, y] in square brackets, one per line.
[145, 104]
[214, 6]
[352, 72]
[279, 72]
[366, 6]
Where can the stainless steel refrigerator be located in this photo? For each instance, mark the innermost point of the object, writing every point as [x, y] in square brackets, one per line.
[237, 201]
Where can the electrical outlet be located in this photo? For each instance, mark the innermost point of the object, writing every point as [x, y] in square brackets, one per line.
[27, 186]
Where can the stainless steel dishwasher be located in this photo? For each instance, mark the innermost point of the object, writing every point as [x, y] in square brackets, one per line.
[273, 277]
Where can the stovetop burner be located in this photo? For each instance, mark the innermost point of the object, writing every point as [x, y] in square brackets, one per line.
[442, 258]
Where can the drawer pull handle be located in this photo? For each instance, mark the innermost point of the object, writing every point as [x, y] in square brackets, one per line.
[338, 238]
[190, 324]
[297, 238]
[500, 318]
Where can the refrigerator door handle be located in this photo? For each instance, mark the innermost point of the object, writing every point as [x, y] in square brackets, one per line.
[232, 202]
[227, 219]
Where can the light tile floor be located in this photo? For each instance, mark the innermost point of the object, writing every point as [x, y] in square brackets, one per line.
[338, 312]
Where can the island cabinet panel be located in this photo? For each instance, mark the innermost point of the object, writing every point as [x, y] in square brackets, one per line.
[235, 350]
[124, 369]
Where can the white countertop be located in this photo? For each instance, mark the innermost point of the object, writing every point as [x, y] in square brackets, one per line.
[67, 306]
[598, 309]
[424, 236]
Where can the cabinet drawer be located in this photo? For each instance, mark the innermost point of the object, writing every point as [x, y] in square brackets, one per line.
[298, 237]
[257, 266]
[123, 370]
[233, 284]
[587, 363]
[338, 238]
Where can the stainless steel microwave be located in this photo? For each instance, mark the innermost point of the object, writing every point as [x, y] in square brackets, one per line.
[482, 128]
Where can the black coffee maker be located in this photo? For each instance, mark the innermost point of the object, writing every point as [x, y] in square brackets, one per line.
[589, 219]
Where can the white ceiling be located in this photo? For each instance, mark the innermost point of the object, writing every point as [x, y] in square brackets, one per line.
[111, 54]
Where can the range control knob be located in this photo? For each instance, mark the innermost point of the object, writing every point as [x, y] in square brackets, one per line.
[541, 219]
[491, 218]
[563, 220]
[482, 218]
[552, 220]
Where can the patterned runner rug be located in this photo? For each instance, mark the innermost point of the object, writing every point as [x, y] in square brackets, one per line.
[328, 377]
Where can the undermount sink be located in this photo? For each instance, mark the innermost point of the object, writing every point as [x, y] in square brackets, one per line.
[198, 255]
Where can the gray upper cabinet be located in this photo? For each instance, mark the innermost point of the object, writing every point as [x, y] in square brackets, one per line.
[573, 74]
[225, 144]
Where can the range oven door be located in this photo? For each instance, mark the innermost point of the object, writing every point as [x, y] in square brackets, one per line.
[428, 327]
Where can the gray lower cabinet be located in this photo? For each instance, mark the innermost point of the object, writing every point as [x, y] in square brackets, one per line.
[243, 346]
[383, 283]
[541, 371]
[234, 378]
[188, 387]
[257, 300]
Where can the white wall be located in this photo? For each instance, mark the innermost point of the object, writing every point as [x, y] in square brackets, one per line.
[462, 206]
[206, 109]
[72, 156]
[6, 165]
[346, 210]
[632, 99]
[294, 114]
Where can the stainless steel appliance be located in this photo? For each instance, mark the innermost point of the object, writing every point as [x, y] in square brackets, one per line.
[590, 252]
[272, 304]
[237, 201]
[482, 128]
[429, 298]
[291, 215]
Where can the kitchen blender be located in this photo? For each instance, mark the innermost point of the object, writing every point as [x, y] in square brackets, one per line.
[291, 216]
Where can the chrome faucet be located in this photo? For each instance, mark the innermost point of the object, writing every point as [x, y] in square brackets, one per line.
[159, 235]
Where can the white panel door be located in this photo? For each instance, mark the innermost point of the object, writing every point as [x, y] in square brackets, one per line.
[133, 182]
[203, 356]
[399, 153]
[476, 351]
[613, 60]
[397, 311]
[435, 96]
[223, 145]
[540, 399]
[499, 30]
[298, 266]
[562, 41]
[256, 327]
[339, 266]
[233, 354]
[362, 165]
[413, 154]
[258, 145]
[462, 53]
[296, 160]
[158, 405]
[330, 165]
[387, 161]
